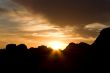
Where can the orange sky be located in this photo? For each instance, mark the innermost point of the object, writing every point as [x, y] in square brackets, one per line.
[19, 25]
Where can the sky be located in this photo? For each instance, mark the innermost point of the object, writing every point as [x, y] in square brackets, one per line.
[37, 22]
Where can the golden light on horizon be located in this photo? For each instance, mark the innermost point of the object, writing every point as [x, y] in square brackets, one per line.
[56, 45]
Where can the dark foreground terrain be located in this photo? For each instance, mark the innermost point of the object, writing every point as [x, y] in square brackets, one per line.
[76, 58]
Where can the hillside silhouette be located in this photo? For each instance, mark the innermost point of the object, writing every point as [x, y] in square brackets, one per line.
[76, 58]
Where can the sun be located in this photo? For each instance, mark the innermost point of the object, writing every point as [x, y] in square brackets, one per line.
[56, 45]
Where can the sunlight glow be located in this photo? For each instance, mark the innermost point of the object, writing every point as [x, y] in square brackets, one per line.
[55, 45]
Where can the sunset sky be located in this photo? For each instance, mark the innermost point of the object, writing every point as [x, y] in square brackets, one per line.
[38, 22]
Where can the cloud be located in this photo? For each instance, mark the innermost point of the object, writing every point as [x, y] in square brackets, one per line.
[18, 23]
[44, 19]
[71, 13]
[9, 5]
[17, 18]
[9, 11]
[96, 26]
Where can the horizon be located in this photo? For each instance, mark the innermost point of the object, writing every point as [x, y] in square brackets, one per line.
[53, 45]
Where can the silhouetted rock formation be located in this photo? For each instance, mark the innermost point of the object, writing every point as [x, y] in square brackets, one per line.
[22, 47]
[101, 45]
[97, 59]
[77, 58]
[84, 45]
[74, 49]
[75, 54]
[11, 47]
[103, 40]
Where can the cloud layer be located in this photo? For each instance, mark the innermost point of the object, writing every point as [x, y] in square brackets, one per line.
[64, 20]
[71, 12]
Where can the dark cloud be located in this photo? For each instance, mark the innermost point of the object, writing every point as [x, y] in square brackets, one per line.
[2, 10]
[72, 12]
